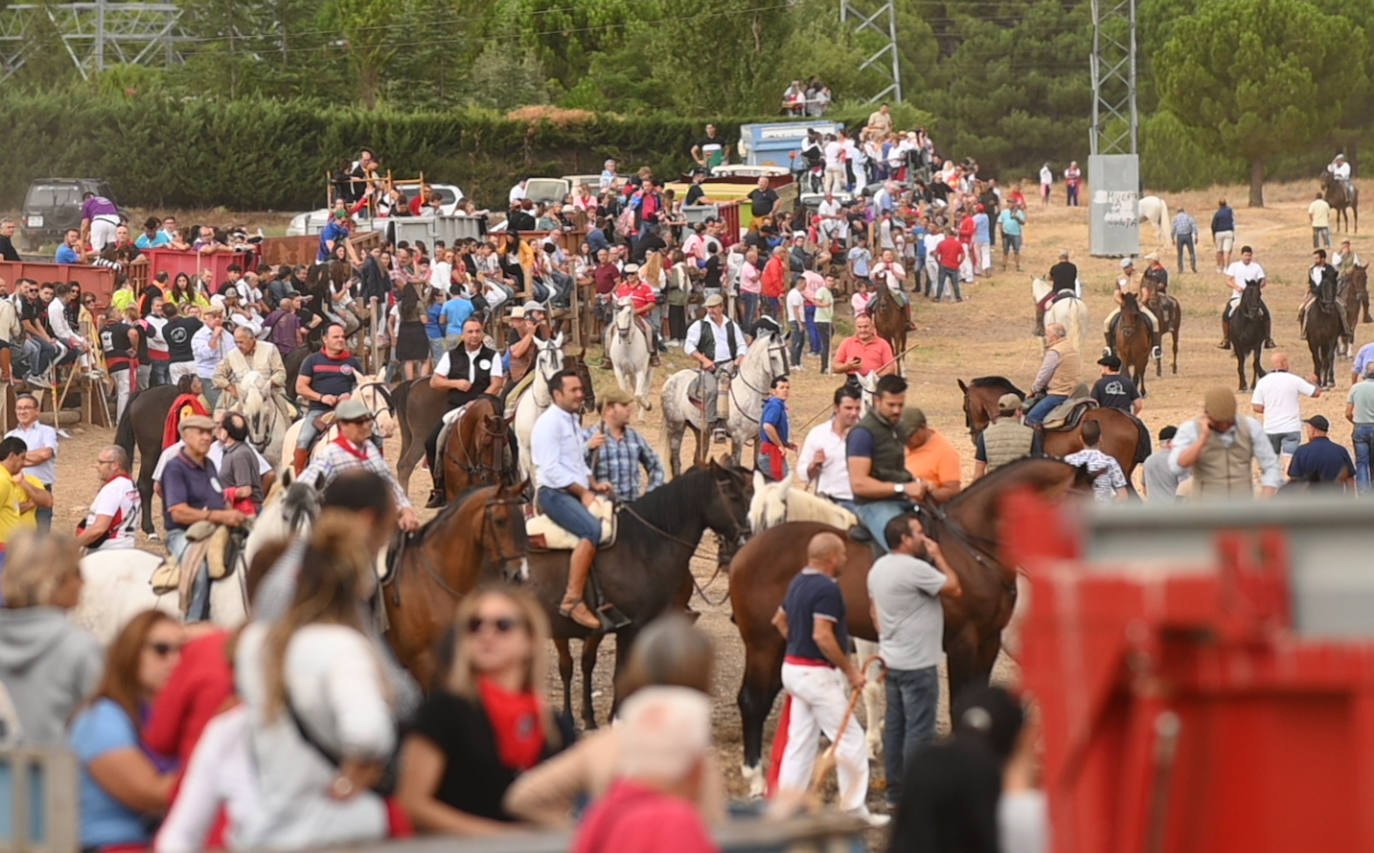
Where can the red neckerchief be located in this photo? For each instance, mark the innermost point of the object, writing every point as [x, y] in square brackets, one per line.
[357, 453]
[343, 356]
[515, 721]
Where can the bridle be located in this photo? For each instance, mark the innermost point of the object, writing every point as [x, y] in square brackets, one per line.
[497, 557]
[478, 468]
[775, 347]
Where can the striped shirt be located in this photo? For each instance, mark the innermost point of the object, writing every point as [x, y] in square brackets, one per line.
[618, 462]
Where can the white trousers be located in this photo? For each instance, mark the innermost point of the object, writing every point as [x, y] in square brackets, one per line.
[121, 384]
[178, 369]
[984, 256]
[819, 700]
[102, 232]
[835, 180]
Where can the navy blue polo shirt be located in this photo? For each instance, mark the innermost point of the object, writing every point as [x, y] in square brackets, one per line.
[1320, 456]
[331, 376]
[185, 482]
[810, 596]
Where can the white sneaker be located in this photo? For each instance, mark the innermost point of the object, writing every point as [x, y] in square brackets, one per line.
[874, 821]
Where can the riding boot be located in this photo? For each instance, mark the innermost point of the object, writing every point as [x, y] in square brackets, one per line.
[299, 460]
[579, 568]
[1268, 333]
[437, 497]
[906, 312]
[1225, 334]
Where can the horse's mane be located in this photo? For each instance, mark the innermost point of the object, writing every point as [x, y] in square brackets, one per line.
[993, 480]
[444, 515]
[999, 382]
[660, 505]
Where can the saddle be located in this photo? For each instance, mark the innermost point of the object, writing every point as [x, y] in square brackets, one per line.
[544, 534]
[451, 417]
[1067, 414]
[216, 545]
[1055, 296]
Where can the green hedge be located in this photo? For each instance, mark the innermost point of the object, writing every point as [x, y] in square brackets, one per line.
[273, 155]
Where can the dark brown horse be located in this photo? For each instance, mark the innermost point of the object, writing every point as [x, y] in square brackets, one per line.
[1170, 316]
[1133, 341]
[966, 530]
[477, 449]
[890, 321]
[145, 417]
[1124, 437]
[1342, 201]
[648, 567]
[1354, 292]
[1324, 330]
[1247, 331]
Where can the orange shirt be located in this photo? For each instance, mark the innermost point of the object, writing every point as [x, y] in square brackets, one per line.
[936, 461]
[873, 354]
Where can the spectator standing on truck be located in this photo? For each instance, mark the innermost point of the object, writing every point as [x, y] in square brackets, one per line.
[70, 250]
[99, 219]
[712, 150]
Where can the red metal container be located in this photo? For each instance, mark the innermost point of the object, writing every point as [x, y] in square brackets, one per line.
[97, 280]
[192, 263]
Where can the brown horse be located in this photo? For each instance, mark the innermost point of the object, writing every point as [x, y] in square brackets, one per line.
[966, 530]
[1342, 201]
[477, 449]
[1133, 341]
[890, 321]
[1124, 437]
[1354, 292]
[1324, 330]
[1170, 316]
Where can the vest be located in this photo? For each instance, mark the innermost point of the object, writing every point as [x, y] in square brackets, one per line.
[1225, 472]
[458, 369]
[1065, 377]
[1006, 440]
[889, 452]
[706, 344]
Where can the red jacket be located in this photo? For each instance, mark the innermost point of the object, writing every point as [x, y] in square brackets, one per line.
[199, 688]
[772, 283]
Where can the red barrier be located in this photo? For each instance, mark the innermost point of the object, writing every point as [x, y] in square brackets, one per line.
[729, 215]
[192, 263]
[97, 280]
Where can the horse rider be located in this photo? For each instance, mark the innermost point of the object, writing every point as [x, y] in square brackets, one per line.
[1237, 274]
[567, 488]
[1345, 259]
[248, 356]
[1057, 377]
[1340, 171]
[1219, 448]
[716, 344]
[1063, 285]
[354, 450]
[889, 271]
[1123, 286]
[1004, 440]
[466, 372]
[644, 299]
[1319, 272]
[876, 453]
[822, 459]
[326, 378]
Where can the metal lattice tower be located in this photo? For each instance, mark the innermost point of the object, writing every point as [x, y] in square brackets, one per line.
[1115, 123]
[891, 68]
[96, 35]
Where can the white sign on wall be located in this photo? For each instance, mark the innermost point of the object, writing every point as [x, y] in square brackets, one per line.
[1113, 212]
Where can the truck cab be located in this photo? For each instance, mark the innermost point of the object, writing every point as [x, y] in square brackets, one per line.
[52, 205]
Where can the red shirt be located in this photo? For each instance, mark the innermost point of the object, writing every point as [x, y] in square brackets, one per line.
[950, 252]
[198, 689]
[606, 276]
[772, 281]
[631, 818]
[640, 293]
[967, 229]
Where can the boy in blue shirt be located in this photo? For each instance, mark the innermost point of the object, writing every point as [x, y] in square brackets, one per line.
[774, 431]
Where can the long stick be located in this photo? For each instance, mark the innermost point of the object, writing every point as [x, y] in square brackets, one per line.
[827, 760]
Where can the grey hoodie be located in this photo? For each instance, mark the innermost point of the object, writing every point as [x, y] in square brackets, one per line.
[48, 666]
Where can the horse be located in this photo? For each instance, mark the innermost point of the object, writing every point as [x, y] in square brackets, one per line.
[1133, 341]
[628, 349]
[1342, 200]
[1354, 292]
[647, 569]
[765, 359]
[1124, 437]
[373, 393]
[889, 320]
[1070, 312]
[476, 449]
[1153, 210]
[286, 513]
[1170, 316]
[1247, 331]
[140, 428]
[258, 404]
[1324, 329]
[966, 530]
[536, 399]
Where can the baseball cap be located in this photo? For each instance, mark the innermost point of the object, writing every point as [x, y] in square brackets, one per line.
[195, 422]
[1110, 361]
[517, 313]
[1319, 423]
[1008, 403]
[352, 410]
[1127, 263]
[1220, 403]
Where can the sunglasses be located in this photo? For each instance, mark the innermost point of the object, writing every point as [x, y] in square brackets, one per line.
[162, 650]
[502, 624]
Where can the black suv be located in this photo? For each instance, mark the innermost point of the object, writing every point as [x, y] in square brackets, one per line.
[53, 205]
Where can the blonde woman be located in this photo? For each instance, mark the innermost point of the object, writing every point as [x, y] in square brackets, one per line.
[487, 722]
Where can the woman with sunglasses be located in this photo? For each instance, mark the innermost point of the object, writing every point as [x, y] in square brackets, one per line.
[486, 723]
[121, 786]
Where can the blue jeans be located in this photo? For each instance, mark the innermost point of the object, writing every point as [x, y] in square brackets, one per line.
[952, 276]
[795, 342]
[43, 515]
[436, 348]
[875, 515]
[912, 696]
[812, 330]
[199, 608]
[308, 432]
[1183, 242]
[750, 303]
[1364, 451]
[1037, 413]
[567, 512]
[160, 374]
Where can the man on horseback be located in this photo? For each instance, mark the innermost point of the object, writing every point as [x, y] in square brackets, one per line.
[1123, 286]
[466, 372]
[1339, 170]
[354, 450]
[643, 298]
[1004, 440]
[876, 452]
[567, 488]
[1322, 274]
[1063, 285]
[1058, 374]
[617, 452]
[250, 357]
[1237, 275]
[888, 271]
[715, 344]
[326, 378]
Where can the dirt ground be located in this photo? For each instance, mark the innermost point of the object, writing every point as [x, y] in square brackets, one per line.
[988, 334]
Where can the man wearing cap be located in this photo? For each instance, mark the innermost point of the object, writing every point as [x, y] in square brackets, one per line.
[1155, 279]
[354, 450]
[616, 453]
[1004, 440]
[1321, 460]
[1359, 410]
[332, 235]
[1238, 275]
[1124, 286]
[1058, 374]
[466, 372]
[1115, 390]
[1345, 259]
[1159, 480]
[211, 345]
[642, 296]
[191, 492]
[930, 458]
[1219, 447]
[326, 378]
[1276, 397]
[715, 343]
[249, 356]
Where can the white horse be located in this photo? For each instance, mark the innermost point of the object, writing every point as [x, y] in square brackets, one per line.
[1071, 313]
[1152, 209]
[267, 423]
[535, 400]
[629, 352]
[372, 391]
[118, 586]
[765, 359]
[286, 513]
[777, 503]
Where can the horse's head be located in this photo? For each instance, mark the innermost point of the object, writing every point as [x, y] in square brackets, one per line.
[548, 358]
[578, 364]
[727, 504]
[377, 397]
[624, 316]
[980, 401]
[300, 505]
[773, 358]
[1327, 289]
[502, 530]
[768, 506]
[1250, 298]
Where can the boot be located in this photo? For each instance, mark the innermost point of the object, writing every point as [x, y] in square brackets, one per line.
[1225, 335]
[906, 312]
[437, 498]
[1269, 335]
[299, 460]
[572, 606]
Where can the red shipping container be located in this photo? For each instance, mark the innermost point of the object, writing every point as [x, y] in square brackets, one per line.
[97, 280]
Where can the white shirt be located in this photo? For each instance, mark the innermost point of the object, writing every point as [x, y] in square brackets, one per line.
[207, 356]
[494, 367]
[796, 304]
[220, 772]
[833, 478]
[891, 274]
[215, 454]
[827, 209]
[557, 451]
[718, 337]
[119, 499]
[439, 275]
[57, 318]
[1340, 171]
[156, 343]
[1239, 272]
[1046, 176]
[38, 436]
[1277, 391]
[834, 155]
[517, 193]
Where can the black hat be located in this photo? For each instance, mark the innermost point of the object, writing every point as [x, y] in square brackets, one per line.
[1318, 423]
[1110, 361]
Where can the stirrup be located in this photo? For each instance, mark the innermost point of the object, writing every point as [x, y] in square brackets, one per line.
[566, 611]
[611, 617]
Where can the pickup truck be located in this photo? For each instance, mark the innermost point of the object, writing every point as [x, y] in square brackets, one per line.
[52, 205]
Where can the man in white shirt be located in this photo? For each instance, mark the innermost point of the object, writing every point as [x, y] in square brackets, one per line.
[1276, 399]
[211, 344]
[822, 457]
[796, 321]
[715, 343]
[835, 179]
[833, 225]
[1237, 275]
[62, 330]
[41, 457]
[1340, 170]
[567, 488]
[112, 523]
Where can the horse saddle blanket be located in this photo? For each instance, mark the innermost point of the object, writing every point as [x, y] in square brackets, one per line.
[213, 545]
[801, 505]
[1067, 414]
[545, 535]
[513, 398]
